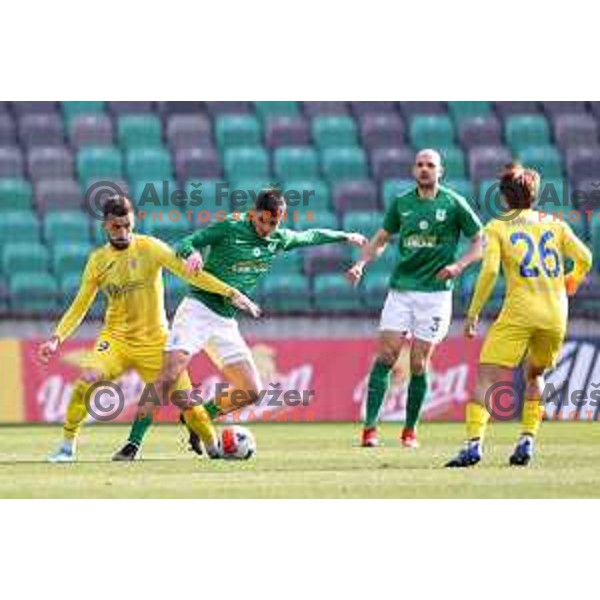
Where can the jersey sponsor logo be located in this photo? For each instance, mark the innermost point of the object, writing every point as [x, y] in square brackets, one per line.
[420, 241]
[113, 289]
[440, 214]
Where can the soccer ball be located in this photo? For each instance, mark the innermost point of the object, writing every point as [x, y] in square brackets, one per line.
[237, 443]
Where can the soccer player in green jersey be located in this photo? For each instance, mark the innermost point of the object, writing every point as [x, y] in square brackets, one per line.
[242, 249]
[429, 220]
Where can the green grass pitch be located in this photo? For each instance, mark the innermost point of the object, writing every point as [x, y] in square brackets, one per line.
[302, 461]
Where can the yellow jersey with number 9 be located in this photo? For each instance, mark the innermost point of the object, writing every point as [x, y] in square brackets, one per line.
[532, 249]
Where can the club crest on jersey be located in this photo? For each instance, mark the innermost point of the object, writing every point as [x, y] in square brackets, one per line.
[256, 252]
[103, 346]
[440, 214]
[132, 263]
[423, 225]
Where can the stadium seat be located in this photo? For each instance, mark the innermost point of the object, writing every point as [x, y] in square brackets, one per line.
[237, 130]
[212, 195]
[554, 195]
[392, 163]
[188, 131]
[582, 163]
[66, 226]
[8, 131]
[56, 194]
[554, 108]
[386, 107]
[131, 107]
[391, 188]
[325, 108]
[575, 130]
[386, 263]
[480, 131]
[243, 192]
[467, 110]
[91, 130]
[11, 162]
[50, 163]
[296, 163]
[139, 131]
[227, 107]
[374, 289]
[286, 292]
[99, 163]
[25, 257]
[41, 130]
[286, 131]
[366, 223]
[545, 159]
[189, 107]
[326, 259]
[344, 163]
[170, 231]
[154, 196]
[382, 131]
[15, 194]
[287, 263]
[267, 109]
[464, 187]
[516, 108]
[148, 164]
[334, 294]
[522, 131]
[411, 109]
[453, 162]
[486, 162]
[585, 195]
[197, 163]
[37, 294]
[355, 196]
[76, 109]
[316, 219]
[33, 107]
[331, 132]
[243, 162]
[19, 226]
[431, 132]
[314, 195]
[69, 257]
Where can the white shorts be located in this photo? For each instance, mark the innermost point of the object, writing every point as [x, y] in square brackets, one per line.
[196, 327]
[425, 315]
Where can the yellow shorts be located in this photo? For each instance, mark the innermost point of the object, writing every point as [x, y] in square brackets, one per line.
[507, 344]
[112, 358]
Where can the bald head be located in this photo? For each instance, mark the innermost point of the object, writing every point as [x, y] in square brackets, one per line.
[428, 168]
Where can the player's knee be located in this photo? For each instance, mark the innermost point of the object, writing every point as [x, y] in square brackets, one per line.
[418, 364]
[388, 356]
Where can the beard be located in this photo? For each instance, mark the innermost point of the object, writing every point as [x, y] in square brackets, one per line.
[119, 244]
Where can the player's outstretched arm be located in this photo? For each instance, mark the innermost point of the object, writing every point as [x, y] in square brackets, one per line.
[372, 250]
[74, 315]
[473, 254]
[576, 250]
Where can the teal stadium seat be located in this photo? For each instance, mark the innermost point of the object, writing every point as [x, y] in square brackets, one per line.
[313, 195]
[374, 289]
[467, 110]
[545, 159]
[296, 162]
[392, 188]
[237, 130]
[334, 294]
[37, 294]
[554, 195]
[366, 223]
[431, 132]
[244, 162]
[139, 131]
[212, 198]
[286, 292]
[67, 226]
[268, 109]
[330, 132]
[19, 226]
[287, 263]
[386, 263]
[21, 257]
[453, 160]
[465, 188]
[99, 163]
[595, 234]
[522, 131]
[316, 219]
[344, 163]
[170, 231]
[77, 108]
[15, 194]
[69, 257]
[148, 164]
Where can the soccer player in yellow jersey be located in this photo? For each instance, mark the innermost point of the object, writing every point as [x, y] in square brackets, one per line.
[129, 271]
[532, 249]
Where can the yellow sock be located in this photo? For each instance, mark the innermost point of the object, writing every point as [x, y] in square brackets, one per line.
[199, 421]
[76, 411]
[477, 418]
[533, 411]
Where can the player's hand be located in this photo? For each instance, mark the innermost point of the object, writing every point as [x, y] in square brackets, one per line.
[471, 326]
[48, 349]
[193, 263]
[244, 303]
[356, 239]
[570, 285]
[449, 272]
[355, 273]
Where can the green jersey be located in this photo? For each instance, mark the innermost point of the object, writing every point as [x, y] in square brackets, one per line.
[429, 230]
[239, 257]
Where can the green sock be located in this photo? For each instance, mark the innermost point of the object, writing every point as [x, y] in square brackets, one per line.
[140, 427]
[379, 381]
[211, 408]
[417, 390]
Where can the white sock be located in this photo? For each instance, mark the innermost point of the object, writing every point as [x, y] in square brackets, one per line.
[69, 445]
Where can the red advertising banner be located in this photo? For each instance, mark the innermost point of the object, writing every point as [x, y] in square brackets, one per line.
[330, 377]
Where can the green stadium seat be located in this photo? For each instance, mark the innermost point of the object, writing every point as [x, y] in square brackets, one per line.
[211, 197]
[237, 130]
[316, 219]
[76, 108]
[313, 195]
[391, 188]
[139, 131]
[19, 226]
[284, 293]
[374, 289]
[68, 257]
[170, 231]
[334, 294]
[22, 257]
[545, 159]
[330, 132]
[66, 226]
[288, 263]
[386, 263]
[244, 162]
[99, 163]
[366, 223]
[465, 188]
[296, 162]
[431, 132]
[522, 131]
[344, 163]
[148, 164]
[595, 239]
[37, 294]
[267, 109]
[453, 160]
[466, 110]
[15, 194]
